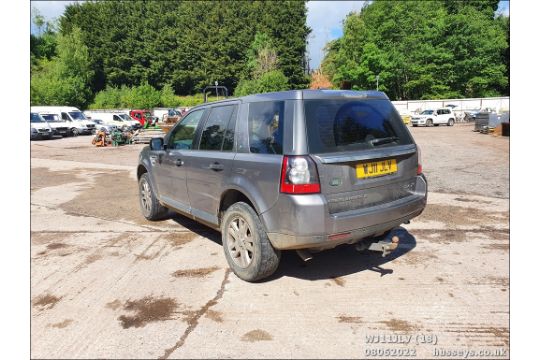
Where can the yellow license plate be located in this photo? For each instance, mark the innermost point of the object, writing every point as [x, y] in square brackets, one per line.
[376, 168]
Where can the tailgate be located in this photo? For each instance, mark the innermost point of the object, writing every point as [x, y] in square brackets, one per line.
[391, 175]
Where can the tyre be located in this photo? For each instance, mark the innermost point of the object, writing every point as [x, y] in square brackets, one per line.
[150, 206]
[247, 248]
[450, 122]
[429, 122]
[74, 132]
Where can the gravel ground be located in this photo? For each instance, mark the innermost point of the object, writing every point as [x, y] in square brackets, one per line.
[106, 283]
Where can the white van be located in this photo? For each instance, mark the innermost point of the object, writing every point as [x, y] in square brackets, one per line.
[78, 123]
[113, 117]
[39, 128]
[58, 126]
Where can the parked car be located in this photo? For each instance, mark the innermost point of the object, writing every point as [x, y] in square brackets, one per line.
[303, 170]
[59, 127]
[434, 117]
[107, 128]
[142, 116]
[116, 118]
[405, 116]
[39, 128]
[470, 115]
[78, 123]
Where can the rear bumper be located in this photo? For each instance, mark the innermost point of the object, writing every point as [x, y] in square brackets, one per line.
[303, 221]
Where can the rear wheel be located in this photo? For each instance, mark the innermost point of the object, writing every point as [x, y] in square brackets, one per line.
[150, 206]
[74, 132]
[247, 248]
[450, 122]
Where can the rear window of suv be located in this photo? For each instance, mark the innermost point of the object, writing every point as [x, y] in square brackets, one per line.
[346, 125]
[265, 122]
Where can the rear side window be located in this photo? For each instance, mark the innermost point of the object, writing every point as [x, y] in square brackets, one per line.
[265, 122]
[217, 134]
[344, 125]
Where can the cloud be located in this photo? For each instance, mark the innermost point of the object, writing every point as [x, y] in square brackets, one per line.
[325, 18]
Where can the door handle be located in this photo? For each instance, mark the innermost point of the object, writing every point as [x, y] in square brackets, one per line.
[179, 162]
[216, 166]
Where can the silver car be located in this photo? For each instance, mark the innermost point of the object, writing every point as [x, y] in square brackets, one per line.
[302, 170]
[108, 129]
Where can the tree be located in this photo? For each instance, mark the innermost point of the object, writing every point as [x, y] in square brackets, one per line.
[263, 75]
[168, 98]
[38, 20]
[65, 79]
[422, 50]
[187, 44]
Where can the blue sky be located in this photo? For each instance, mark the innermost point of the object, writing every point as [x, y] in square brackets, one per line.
[324, 18]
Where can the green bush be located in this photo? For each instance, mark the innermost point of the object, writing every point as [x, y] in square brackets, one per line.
[271, 81]
[246, 87]
[168, 98]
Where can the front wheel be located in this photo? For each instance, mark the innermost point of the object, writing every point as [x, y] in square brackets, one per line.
[150, 206]
[429, 122]
[451, 122]
[247, 248]
[74, 132]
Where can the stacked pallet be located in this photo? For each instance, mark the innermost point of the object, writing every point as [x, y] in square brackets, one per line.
[143, 136]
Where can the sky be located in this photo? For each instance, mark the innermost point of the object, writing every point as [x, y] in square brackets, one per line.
[325, 18]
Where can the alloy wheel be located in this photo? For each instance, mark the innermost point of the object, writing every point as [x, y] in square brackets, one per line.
[240, 242]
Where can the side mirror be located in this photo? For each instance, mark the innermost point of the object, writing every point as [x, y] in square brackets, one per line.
[156, 144]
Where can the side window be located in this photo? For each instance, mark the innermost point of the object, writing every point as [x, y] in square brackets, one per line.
[216, 127]
[265, 123]
[183, 134]
[116, 118]
[65, 117]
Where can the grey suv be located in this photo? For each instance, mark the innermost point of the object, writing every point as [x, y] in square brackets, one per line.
[306, 170]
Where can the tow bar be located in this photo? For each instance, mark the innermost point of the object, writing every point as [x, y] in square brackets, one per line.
[386, 245]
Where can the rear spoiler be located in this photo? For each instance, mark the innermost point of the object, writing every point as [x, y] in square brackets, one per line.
[343, 157]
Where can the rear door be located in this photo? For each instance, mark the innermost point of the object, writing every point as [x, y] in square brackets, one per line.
[442, 116]
[211, 164]
[364, 153]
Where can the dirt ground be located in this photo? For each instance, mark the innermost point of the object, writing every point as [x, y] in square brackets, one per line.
[106, 283]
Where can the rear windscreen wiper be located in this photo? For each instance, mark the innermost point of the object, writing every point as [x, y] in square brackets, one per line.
[385, 140]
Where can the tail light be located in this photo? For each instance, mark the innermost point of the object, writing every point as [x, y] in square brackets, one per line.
[299, 176]
[419, 153]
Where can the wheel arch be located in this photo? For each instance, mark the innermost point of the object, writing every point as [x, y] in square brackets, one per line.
[231, 196]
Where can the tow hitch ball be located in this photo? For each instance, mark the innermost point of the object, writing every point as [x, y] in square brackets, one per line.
[388, 244]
